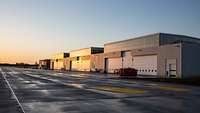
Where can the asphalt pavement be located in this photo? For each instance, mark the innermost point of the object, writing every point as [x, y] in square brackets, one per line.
[40, 91]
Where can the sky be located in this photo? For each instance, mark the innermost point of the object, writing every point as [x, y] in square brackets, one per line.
[36, 29]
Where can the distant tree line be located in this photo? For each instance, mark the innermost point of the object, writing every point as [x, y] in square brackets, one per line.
[20, 65]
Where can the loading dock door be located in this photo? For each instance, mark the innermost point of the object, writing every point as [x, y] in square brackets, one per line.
[81, 65]
[146, 65]
[85, 65]
[52, 65]
[127, 60]
[171, 68]
[75, 66]
[70, 65]
[113, 63]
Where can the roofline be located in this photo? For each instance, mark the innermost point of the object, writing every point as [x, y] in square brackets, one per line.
[44, 59]
[86, 48]
[181, 35]
[157, 33]
[60, 53]
[138, 37]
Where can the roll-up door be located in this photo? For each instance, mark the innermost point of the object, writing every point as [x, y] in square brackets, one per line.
[85, 65]
[146, 65]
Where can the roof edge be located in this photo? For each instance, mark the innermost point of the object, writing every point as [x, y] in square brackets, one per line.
[137, 37]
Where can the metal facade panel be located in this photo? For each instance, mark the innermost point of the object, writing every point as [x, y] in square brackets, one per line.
[135, 43]
[190, 60]
[145, 51]
[172, 38]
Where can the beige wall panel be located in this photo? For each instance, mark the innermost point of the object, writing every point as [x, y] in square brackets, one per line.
[112, 54]
[137, 43]
[85, 57]
[145, 51]
[58, 64]
[75, 66]
[85, 65]
[81, 65]
[58, 56]
[81, 52]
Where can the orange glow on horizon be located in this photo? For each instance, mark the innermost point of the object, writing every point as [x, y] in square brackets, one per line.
[13, 57]
[22, 47]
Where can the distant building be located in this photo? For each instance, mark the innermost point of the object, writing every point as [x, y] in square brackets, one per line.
[84, 59]
[57, 61]
[44, 64]
[160, 54]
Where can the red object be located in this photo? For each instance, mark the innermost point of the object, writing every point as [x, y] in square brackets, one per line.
[127, 72]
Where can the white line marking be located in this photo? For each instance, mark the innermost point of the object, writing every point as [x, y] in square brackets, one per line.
[13, 93]
[80, 86]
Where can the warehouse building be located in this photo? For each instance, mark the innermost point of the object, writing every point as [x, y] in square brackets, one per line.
[86, 59]
[160, 55]
[57, 61]
[44, 64]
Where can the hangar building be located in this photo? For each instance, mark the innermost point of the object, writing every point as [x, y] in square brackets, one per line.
[57, 61]
[86, 59]
[44, 64]
[160, 54]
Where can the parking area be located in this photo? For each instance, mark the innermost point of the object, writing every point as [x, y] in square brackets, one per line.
[40, 91]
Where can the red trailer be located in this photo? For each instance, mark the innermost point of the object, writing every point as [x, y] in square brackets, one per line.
[127, 72]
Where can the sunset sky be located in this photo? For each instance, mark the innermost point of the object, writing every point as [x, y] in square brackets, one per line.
[35, 29]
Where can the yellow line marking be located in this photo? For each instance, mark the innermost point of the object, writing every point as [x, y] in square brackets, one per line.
[129, 82]
[173, 88]
[120, 90]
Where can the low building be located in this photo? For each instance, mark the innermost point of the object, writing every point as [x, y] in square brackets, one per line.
[44, 64]
[97, 62]
[159, 54]
[84, 59]
[57, 61]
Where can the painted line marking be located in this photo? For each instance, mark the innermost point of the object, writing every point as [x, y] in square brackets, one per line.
[173, 88]
[120, 90]
[79, 86]
[13, 93]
